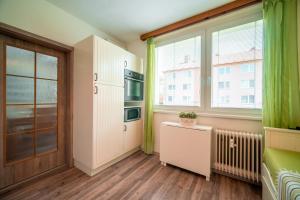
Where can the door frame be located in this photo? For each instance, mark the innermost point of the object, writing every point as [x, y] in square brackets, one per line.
[68, 51]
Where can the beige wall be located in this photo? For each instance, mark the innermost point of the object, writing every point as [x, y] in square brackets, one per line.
[44, 19]
[139, 48]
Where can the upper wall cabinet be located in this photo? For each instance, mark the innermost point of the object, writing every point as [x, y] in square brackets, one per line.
[134, 63]
[109, 63]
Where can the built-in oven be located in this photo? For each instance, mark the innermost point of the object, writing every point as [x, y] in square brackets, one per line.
[132, 114]
[134, 86]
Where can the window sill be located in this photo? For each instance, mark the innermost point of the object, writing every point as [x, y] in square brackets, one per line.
[215, 115]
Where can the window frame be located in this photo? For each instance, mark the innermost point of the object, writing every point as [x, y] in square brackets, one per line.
[179, 108]
[205, 30]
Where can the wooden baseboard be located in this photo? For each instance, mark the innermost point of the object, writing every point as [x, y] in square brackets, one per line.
[34, 179]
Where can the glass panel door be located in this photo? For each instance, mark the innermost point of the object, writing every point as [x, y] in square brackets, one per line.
[31, 103]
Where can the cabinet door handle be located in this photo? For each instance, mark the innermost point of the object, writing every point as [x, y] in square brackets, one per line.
[125, 63]
[96, 76]
[125, 128]
[96, 89]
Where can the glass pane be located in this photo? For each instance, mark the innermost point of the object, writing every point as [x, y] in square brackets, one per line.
[46, 91]
[19, 61]
[19, 90]
[19, 118]
[46, 116]
[19, 146]
[237, 61]
[178, 73]
[46, 140]
[46, 66]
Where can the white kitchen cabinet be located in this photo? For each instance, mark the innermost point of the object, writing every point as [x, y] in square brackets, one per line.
[109, 61]
[98, 121]
[133, 134]
[133, 63]
[109, 142]
[186, 147]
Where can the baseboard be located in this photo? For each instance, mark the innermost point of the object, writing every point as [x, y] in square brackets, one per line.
[91, 172]
[34, 179]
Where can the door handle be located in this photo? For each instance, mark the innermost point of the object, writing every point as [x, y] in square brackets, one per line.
[125, 63]
[96, 89]
[96, 76]
[125, 128]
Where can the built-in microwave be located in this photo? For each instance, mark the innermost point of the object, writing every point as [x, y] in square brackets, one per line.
[134, 86]
[132, 114]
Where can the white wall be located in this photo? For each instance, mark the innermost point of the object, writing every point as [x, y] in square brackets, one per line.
[139, 48]
[43, 18]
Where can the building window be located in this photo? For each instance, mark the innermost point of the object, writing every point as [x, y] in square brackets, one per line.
[224, 70]
[248, 99]
[247, 68]
[247, 84]
[224, 85]
[171, 87]
[186, 86]
[231, 81]
[180, 60]
[240, 49]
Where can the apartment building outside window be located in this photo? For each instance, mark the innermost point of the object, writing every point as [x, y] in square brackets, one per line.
[231, 79]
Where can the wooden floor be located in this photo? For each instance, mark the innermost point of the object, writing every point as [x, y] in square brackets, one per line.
[136, 177]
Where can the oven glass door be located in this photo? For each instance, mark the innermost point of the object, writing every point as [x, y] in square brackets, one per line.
[133, 90]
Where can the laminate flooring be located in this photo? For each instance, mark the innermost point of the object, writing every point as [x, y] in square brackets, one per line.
[139, 176]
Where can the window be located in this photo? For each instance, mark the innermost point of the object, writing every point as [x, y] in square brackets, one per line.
[240, 48]
[170, 99]
[179, 60]
[186, 86]
[245, 68]
[224, 70]
[224, 84]
[221, 66]
[248, 99]
[171, 87]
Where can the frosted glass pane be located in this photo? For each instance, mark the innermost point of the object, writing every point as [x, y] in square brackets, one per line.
[19, 61]
[46, 66]
[46, 140]
[19, 146]
[19, 118]
[19, 90]
[46, 91]
[46, 116]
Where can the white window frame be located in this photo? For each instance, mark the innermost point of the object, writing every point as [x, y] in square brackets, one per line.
[178, 108]
[205, 30]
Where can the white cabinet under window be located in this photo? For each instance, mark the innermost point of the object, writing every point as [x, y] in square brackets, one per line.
[99, 137]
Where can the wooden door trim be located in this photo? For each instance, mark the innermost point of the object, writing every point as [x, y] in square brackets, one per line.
[68, 51]
[232, 6]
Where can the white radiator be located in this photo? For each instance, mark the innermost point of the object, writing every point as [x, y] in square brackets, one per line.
[238, 153]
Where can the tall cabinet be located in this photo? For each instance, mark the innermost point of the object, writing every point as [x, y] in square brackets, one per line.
[99, 138]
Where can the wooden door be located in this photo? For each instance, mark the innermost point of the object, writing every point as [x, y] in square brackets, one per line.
[32, 107]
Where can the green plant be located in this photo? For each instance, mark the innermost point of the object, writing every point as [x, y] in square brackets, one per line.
[189, 115]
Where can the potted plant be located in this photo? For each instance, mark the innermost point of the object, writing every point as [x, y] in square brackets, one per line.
[187, 118]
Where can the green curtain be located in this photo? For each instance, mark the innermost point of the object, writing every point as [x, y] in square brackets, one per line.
[149, 98]
[281, 92]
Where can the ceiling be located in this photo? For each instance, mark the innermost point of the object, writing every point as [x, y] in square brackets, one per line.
[126, 20]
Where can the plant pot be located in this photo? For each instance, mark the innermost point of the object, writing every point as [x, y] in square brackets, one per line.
[187, 122]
